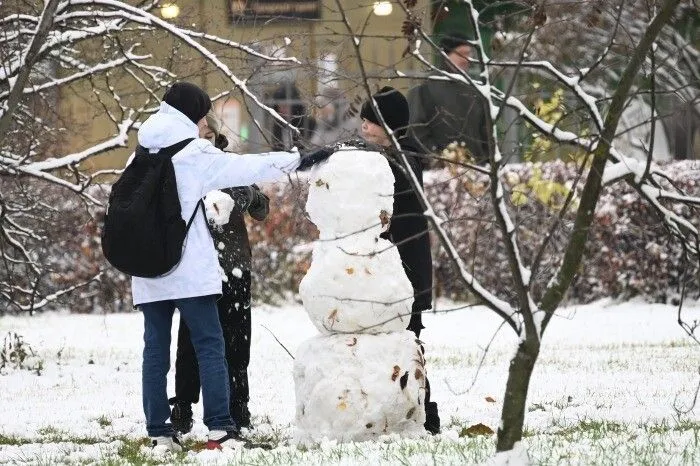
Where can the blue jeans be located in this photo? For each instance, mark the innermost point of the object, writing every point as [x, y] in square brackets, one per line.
[202, 318]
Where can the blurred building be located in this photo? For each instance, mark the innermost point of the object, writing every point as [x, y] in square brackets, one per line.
[313, 31]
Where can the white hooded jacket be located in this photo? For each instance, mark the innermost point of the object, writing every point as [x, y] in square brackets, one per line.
[199, 168]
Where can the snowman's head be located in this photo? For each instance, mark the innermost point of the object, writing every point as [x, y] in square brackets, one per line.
[352, 193]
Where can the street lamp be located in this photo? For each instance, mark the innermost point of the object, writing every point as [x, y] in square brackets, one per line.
[382, 8]
[169, 11]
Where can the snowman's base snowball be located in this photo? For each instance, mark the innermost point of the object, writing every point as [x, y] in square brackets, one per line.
[355, 387]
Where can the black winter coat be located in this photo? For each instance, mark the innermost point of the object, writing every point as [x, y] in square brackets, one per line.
[409, 230]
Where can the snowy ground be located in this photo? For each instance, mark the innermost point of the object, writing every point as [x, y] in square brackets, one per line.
[602, 393]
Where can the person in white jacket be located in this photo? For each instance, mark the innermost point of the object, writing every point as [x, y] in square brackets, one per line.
[193, 286]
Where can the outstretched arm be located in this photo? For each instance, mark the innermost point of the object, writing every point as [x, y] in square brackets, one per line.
[229, 170]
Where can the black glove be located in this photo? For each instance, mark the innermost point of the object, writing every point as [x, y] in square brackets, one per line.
[309, 159]
[259, 205]
[355, 142]
[221, 142]
[415, 324]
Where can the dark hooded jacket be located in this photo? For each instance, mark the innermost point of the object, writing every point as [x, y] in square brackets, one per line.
[409, 230]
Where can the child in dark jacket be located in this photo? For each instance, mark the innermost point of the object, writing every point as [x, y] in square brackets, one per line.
[233, 248]
[408, 229]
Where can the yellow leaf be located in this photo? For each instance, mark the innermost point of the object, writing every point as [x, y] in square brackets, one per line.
[519, 197]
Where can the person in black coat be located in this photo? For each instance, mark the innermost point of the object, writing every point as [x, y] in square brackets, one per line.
[446, 112]
[408, 229]
[234, 251]
[288, 103]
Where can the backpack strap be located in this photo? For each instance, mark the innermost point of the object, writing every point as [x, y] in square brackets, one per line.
[169, 151]
[200, 203]
[175, 148]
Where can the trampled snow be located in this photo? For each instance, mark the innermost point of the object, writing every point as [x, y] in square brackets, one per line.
[615, 363]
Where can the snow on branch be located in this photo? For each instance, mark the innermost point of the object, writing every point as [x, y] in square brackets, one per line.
[138, 15]
[119, 140]
[521, 273]
[96, 69]
[36, 305]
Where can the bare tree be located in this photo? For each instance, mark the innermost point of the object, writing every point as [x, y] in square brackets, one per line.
[52, 49]
[638, 57]
[626, 53]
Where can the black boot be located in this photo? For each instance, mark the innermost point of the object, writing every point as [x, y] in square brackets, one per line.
[432, 419]
[181, 415]
[241, 415]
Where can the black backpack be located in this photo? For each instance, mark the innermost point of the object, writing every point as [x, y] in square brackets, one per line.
[144, 233]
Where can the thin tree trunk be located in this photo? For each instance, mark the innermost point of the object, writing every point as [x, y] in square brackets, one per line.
[17, 89]
[515, 398]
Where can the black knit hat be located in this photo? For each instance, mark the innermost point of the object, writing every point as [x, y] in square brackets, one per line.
[453, 40]
[393, 107]
[189, 99]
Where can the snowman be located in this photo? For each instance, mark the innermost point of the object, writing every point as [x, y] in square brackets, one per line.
[364, 375]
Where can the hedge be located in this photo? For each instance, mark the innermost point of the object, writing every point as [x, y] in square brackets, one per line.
[629, 253]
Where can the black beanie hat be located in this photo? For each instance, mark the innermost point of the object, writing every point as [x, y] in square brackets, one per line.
[453, 40]
[393, 107]
[189, 99]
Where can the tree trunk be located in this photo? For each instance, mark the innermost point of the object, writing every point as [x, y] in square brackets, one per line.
[17, 89]
[515, 398]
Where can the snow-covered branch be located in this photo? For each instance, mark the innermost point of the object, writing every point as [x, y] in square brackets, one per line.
[499, 306]
[138, 15]
[521, 274]
[25, 63]
[87, 72]
[48, 299]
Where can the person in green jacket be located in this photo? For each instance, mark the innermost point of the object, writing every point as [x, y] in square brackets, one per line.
[445, 112]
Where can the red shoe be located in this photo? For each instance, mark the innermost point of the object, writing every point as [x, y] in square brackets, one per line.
[217, 439]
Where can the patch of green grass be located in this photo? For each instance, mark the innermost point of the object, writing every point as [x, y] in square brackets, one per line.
[130, 451]
[11, 440]
[275, 437]
[104, 421]
[51, 434]
[665, 426]
[593, 429]
[589, 441]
